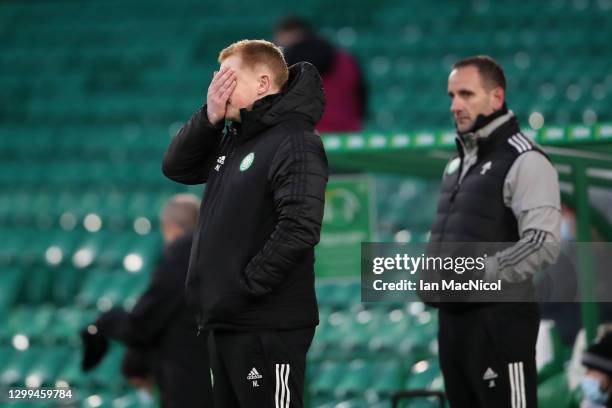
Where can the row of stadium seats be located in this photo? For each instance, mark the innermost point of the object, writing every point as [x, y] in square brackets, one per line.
[44, 326]
[375, 331]
[79, 175]
[65, 208]
[394, 196]
[27, 298]
[78, 250]
[53, 366]
[397, 106]
[371, 380]
[151, 69]
[71, 210]
[97, 288]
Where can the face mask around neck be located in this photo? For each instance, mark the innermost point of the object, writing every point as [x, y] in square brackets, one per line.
[591, 387]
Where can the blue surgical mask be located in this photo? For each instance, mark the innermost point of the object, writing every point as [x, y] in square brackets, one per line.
[591, 388]
[144, 397]
[566, 231]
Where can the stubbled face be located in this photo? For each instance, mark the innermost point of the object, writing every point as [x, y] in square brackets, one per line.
[251, 84]
[470, 97]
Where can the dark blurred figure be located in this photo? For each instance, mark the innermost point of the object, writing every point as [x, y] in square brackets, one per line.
[565, 311]
[345, 89]
[161, 320]
[597, 382]
[136, 367]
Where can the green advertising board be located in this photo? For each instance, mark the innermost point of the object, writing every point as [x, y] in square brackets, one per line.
[346, 223]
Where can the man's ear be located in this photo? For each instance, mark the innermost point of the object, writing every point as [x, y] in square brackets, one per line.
[264, 84]
[498, 97]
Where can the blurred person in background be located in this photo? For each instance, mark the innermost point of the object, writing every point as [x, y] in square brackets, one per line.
[251, 273]
[596, 384]
[137, 369]
[161, 321]
[566, 314]
[500, 189]
[345, 88]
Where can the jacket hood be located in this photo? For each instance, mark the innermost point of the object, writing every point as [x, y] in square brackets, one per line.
[301, 97]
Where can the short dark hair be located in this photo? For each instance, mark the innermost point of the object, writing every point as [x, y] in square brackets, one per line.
[490, 71]
[293, 23]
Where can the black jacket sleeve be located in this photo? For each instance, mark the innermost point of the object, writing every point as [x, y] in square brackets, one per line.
[298, 176]
[190, 155]
[153, 311]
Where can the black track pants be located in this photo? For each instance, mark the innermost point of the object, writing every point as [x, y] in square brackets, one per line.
[487, 356]
[260, 369]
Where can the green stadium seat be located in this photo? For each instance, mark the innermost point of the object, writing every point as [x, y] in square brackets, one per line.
[98, 400]
[30, 322]
[553, 347]
[387, 378]
[555, 393]
[392, 328]
[111, 289]
[104, 376]
[68, 323]
[15, 367]
[37, 289]
[11, 282]
[45, 370]
[71, 373]
[425, 374]
[65, 285]
[132, 400]
[327, 377]
[354, 380]
[349, 403]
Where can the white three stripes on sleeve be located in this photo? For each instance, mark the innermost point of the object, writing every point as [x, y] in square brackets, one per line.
[517, 385]
[520, 143]
[282, 397]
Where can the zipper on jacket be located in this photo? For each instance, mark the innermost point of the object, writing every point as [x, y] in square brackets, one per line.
[211, 205]
[219, 187]
[454, 194]
[451, 201]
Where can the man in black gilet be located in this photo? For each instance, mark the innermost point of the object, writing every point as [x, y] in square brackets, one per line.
[501, 188]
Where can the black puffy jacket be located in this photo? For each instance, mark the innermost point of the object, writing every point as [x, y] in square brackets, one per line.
[252, 259]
